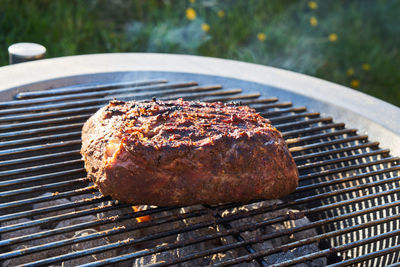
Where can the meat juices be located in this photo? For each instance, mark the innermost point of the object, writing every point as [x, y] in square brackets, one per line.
[168, 153]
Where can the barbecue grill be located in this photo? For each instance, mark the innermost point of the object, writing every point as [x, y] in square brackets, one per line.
[344, 212]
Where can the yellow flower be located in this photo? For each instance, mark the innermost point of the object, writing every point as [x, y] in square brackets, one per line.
[350, 72]
[333, 37]
[355, 83]
[261, 36]
[313, 21]
[205, 27]
[192, 1]
[221, 13]
[366, 67]
[190, 13]
[312, 5]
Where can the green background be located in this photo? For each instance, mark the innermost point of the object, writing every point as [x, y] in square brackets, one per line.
[368, 32]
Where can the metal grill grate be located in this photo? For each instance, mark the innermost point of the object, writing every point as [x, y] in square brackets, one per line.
[347, 200]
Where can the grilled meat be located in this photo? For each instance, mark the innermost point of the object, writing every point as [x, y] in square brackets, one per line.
[181, 153]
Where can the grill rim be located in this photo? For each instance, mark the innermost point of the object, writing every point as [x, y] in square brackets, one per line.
[367, 113]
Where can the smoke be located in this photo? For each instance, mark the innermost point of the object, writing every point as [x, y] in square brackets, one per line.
[167, 38]
[296, 37]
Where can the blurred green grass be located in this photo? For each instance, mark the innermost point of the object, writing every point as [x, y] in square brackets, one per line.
[276, 33]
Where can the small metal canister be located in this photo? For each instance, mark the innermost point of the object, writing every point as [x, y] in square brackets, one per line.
[22, 52]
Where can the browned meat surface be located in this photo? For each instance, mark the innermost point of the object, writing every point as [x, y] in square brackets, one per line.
[181, 153]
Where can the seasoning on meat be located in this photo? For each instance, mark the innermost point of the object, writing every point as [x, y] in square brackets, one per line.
[182, 153]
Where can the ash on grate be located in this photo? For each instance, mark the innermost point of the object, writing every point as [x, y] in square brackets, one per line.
[164, 221]
[273, 228]
[21, 232]
[214, 228]
[77, 220]
[39, 255]
[87, 245]
[133, 228]
[191, 249]
[30, 243]
[46, 204]
[86, 197]
[53, 238]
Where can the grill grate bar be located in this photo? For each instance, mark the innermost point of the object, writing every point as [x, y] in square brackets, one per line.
[368, 256]
[306, 122]
[96, 101]
[54, 120]
[279, 112]
[50, 107]
[41, 130]
[147, 95]
[261, 101]
[348, 168]
[38, 139]
[38, 147]
[267, 222]
[319, 136]
[284, 205]
[343, 159]
[198, 95]
[346, 179]
[346, 190]
[30, 213]
[85, 88]
[39, 157]
[321, 184]
[42, 122]
[238, 97]
[40, 188]
[314, 129]
[294, 117]
[96, 107]
[40, 167]
[239, 238]
[80, 213]
[328, 143]
[336, 151]
[40, 177]
[96, 223]
[46, 114]
[173, 86]
[243, 243]
[295, 149]
[137, 214]
[322, 253]
[34, 200]
[273, 105]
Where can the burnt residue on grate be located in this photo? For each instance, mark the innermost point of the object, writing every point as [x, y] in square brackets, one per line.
[345, 210]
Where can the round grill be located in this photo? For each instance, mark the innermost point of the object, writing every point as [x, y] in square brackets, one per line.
[345, 210]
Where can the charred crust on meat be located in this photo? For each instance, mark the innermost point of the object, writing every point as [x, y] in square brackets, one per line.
[236, 103]
[114, 111]
[196, 105]
[175, 108]
[116, 102]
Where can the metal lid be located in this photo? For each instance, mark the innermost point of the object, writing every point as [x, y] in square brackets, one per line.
[21, 52]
